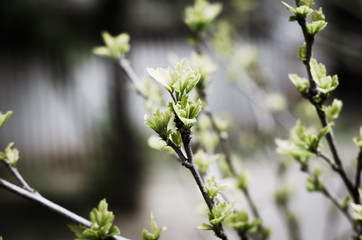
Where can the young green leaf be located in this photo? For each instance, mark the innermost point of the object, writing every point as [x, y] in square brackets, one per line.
[300, 83]
[240, 222]
[163, 76]
[155, 234]
[358, 141]
[201, 14]
[308, 3]
[187, 111]
[116, 46]
[4, 117]
[101, 229]
[213, 188]
[159, 123]
[219, 213]
[10, 156]
[332, 111]
[316, 26]
[205, 66]
[357, 211]
[243, 181]
[318, 15]
[203, 160]
[302, 52]
[325, 83]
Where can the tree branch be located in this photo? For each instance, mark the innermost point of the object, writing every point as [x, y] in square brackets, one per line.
[34, 196]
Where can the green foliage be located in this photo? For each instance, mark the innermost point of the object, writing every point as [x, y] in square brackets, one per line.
[315, 27]
[218, 214]
[203, 160]
[205, 134]
[205, 66]
[358, 141]
[325, 83]
[282, 196]
[243, 181]
[301, 12]
[4, 117]
[187, 111]
[308, 3]
[180, 80]
[155, 234]
[116, 46]
[357, 211]
[101, 229]
[157, 143]
[300, 83]
[240, 222]
[302, 143]
[10, 156]
[201, 14]
[159, 122]
[152, 93]
[302, 53]
[346, 202]
[332, 111]
[318, 15]
[314, 183]
[213, 188]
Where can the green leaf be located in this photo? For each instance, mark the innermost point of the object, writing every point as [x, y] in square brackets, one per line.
[199, 16]
[302, 52]
[101, 229]
[243, 181]
[220, 212]
[163, 76]
[325, 83]
[213, 188]
[205, 226]
[4, 117]
[115, 46]
[318, 15]
[357, 211]
[290, 8]
[176, 138]
[204, 65]
[308, 3]
[10, 156]
[155, 234]
[300, 83]
[303, 11]
[187, 111]
[159, 122]
[157, 143]
[332, 111]
[316, 26]
[240, 222]
[358, 141]
[314, 184]
[202, 160]
[186, 77]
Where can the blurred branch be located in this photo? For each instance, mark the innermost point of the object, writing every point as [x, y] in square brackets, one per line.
[30, 194]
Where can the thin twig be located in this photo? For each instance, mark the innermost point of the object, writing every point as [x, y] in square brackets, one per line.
[327, 160]
[19, 177]
[36, 197]
[131, 76]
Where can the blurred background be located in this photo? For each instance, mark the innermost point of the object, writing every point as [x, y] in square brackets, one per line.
[79, 126]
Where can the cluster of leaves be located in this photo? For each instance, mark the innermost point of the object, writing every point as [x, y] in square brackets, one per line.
[155, 234]
[178, 82]
[302, 143]
[304, 9]
[201, 14]
[116, 46]
[101, 220]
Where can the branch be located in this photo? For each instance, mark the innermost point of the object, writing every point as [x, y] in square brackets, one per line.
[359, 170]
[18, 176]
[131, 76]
[36, 197]
[313, 91]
